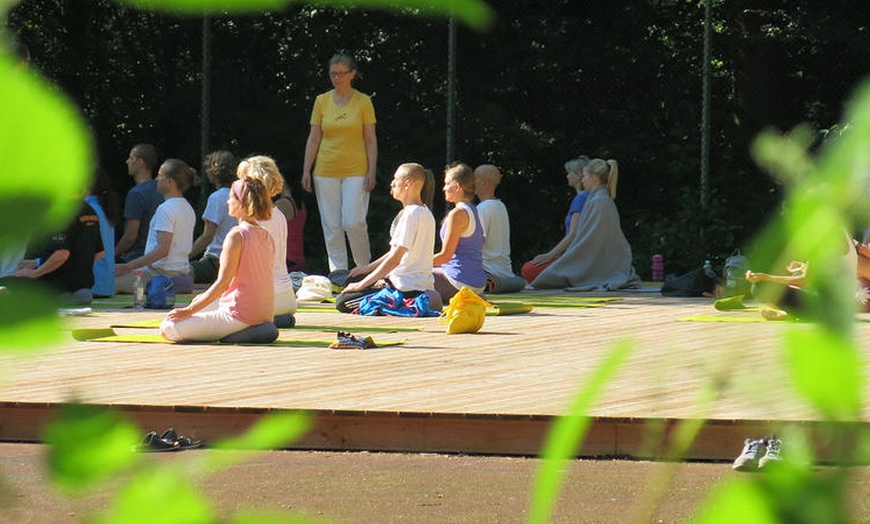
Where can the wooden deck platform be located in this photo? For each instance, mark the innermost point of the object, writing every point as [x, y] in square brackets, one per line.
[492, 392]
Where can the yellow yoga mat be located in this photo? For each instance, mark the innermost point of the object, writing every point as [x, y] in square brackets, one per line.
[109, 335]
[155, 323]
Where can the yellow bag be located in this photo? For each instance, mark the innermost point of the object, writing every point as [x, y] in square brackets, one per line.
[465, 313]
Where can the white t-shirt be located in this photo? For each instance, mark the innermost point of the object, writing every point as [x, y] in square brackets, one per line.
[497, 238]
[414, 229]
[285, 298]
[217, 212]
[176, 216]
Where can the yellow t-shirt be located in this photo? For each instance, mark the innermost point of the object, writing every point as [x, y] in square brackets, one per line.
[342, 150]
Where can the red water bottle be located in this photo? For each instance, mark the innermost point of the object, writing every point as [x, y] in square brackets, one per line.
[658, 268]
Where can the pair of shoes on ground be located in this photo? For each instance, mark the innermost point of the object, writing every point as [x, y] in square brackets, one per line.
[169, 441]
[758, 454]
[349, 341]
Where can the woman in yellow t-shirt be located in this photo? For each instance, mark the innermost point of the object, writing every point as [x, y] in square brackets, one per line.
[342, 148]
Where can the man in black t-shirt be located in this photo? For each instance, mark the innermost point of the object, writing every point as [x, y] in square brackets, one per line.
[69, 256]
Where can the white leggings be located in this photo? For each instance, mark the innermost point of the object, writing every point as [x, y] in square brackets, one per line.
[206, 325]
[343, 205]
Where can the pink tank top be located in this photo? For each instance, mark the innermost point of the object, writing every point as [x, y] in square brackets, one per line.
[251, 295]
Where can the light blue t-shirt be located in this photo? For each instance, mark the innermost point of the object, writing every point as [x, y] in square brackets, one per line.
[217, 212]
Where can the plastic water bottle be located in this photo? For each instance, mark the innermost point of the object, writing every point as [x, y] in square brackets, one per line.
[139, 291]
[658, 268]
[708, 269]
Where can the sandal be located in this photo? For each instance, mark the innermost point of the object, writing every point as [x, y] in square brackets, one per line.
[183, 442]
[152, 442]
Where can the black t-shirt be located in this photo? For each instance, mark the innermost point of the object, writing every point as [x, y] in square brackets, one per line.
[82, 239]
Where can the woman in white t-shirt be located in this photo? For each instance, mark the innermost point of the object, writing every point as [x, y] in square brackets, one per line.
[170, 234]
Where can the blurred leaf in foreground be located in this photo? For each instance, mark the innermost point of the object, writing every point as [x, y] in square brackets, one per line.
[46, 154]
[87, 444]
[162, 495]
[566, 435]
[28, 317]
[474, 13]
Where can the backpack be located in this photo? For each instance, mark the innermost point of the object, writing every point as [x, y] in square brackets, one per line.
[734, 272]
[692, 284]
[160, 293]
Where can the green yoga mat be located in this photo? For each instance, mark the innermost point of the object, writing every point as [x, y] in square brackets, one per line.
[508, 308]
[109, 335]
[557, 302]
[155, 323]
[734, 303]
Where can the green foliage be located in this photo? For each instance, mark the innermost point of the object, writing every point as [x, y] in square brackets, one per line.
[270, 432]
[567, 433]
[159, 495]
[28, 318]
[87, 444]
[826, 367]
[473, 12]
[592, 108]
[46, 154]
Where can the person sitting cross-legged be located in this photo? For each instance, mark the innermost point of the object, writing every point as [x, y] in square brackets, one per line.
[407, 266]
[242, 296]
[494, 218]
[170, 234]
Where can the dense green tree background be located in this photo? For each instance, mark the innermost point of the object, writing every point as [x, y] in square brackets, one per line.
[547, 82]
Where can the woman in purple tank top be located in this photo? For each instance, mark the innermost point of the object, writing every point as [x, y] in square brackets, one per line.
[460, 261]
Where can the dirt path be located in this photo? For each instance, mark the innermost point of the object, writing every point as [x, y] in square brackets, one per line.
[384, 487]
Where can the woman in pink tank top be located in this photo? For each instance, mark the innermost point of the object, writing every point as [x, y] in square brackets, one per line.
[242, 295]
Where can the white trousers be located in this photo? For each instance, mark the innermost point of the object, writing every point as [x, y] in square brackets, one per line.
[206, 325]
[343, 205]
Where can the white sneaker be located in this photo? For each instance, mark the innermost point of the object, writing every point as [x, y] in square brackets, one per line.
[772, 456]
[748, 459]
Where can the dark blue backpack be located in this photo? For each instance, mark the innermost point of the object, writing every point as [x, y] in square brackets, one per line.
[160, 293]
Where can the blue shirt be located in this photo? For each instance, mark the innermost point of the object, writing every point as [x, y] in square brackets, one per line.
[575, 207]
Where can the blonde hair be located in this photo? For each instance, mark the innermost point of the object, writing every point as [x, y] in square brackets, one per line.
[607, 172]
[265, 170]
[253, 197]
